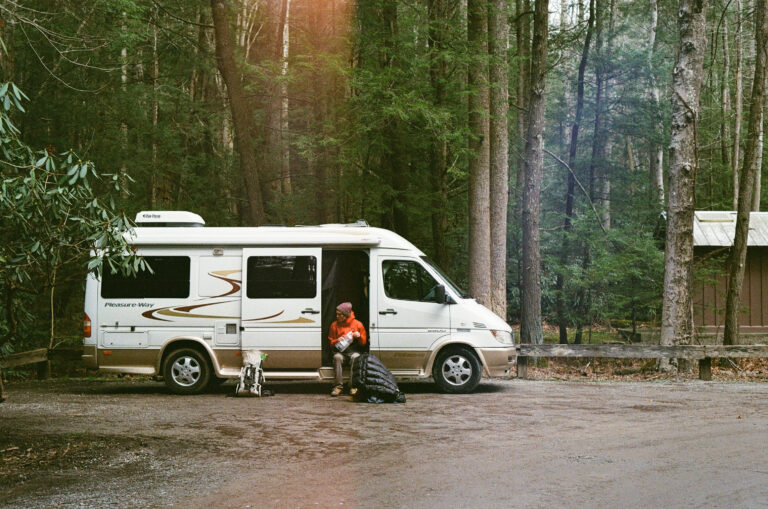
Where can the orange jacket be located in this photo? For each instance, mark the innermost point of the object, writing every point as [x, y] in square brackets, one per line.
[350, 324]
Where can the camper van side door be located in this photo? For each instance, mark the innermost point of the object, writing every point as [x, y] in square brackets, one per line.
[410, 318]
[281, 306]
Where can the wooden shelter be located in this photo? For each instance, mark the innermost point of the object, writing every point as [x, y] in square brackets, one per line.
[713, 233]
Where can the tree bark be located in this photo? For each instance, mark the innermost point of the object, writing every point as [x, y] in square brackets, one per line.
[530, 330]
[562, 320]
[479, 186]
[677, 316]
[242, 114]
[725, 97]
[757, 194]
[657, 150]
[749, 169]
[498, 35]
[285, 152]
[738, 107]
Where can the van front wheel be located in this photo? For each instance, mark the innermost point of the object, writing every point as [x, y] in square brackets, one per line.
[187, 371]
[457, 370]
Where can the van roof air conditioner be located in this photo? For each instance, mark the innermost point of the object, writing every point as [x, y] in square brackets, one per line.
[178, 218]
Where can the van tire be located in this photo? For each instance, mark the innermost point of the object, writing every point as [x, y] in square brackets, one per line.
[187, 371]
[457, 370]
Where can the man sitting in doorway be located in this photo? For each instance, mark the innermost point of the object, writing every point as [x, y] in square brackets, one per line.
[348, 340]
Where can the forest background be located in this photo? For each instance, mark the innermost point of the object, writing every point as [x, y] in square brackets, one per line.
[427, 117]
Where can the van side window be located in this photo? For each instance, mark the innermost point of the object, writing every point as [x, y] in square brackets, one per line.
[281, 277]
[408, 280]
[169, 279]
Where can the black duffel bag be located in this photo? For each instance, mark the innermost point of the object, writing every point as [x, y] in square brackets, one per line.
[373, 381]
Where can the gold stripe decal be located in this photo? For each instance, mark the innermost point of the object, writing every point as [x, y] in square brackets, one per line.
[220, 274]
[184, 311]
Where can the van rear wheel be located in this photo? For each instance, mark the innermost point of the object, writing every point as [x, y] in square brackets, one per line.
[187, 371]
[457, 370]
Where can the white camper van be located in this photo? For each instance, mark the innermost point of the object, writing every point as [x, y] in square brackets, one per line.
[214, 292]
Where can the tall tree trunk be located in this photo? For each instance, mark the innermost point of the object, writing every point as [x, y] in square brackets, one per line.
[124, 125]
[749, 169]
[562, 320]
[285, 151]
[677, 310]
[597, 169]
[725, 98]
[440, 13]
[738, 107]
[757, 194]
[656, 149]
[530, 330]
[479, 186]
[155, 180]
[498, 36]
[523, 45]
[242, 115]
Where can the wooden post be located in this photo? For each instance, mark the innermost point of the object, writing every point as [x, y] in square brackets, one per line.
[522, 367]
[2, 387]
[705, 369]
[43, 370]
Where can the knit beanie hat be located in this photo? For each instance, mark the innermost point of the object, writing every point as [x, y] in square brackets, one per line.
[345, 308]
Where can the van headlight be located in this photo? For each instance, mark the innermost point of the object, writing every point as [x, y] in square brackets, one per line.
[503, 336]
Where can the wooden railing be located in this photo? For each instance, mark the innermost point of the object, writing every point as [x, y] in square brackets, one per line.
[703, 353]
[41, 356]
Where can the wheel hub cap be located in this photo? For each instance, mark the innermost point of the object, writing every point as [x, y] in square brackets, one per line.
[457, 370]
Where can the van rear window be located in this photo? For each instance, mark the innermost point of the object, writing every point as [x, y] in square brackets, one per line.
[169, 279]
[281, 277]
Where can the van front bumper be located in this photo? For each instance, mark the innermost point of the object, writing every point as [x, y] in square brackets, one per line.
[499, 362]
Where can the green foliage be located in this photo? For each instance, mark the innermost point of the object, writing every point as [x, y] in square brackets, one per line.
[56, 209]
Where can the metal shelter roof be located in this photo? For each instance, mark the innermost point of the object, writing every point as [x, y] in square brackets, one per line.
[717, 228]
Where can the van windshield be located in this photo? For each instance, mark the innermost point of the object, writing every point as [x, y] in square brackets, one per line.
[456, 288]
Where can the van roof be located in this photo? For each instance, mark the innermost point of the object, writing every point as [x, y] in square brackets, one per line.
[325, 235]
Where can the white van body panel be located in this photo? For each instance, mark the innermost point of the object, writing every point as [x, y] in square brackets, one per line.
[218, 317]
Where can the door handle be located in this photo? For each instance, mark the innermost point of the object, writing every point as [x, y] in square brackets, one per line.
[389, 311]
[311, 311]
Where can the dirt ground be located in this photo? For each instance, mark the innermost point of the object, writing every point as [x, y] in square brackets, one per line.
[649, 443]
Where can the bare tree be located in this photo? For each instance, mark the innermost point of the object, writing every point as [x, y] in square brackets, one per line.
[530, 331]
[749, 169]
[677, 310]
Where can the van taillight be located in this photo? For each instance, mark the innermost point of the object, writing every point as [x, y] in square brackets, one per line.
[87, 326]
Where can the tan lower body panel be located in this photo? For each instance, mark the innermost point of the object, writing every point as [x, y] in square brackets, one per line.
[499, 360]
[135, 360]
[292, 359]
[404, 360]
[229, 359]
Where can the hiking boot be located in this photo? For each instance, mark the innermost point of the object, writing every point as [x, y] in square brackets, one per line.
[336, 391]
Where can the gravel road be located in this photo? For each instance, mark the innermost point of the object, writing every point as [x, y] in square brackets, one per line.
[512, 443]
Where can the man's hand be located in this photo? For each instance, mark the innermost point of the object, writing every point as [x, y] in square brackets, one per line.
[356, 335]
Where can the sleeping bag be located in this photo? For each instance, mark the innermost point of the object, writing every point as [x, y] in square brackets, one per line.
[374, 382]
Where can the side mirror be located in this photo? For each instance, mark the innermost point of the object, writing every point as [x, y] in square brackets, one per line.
[440, 294]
